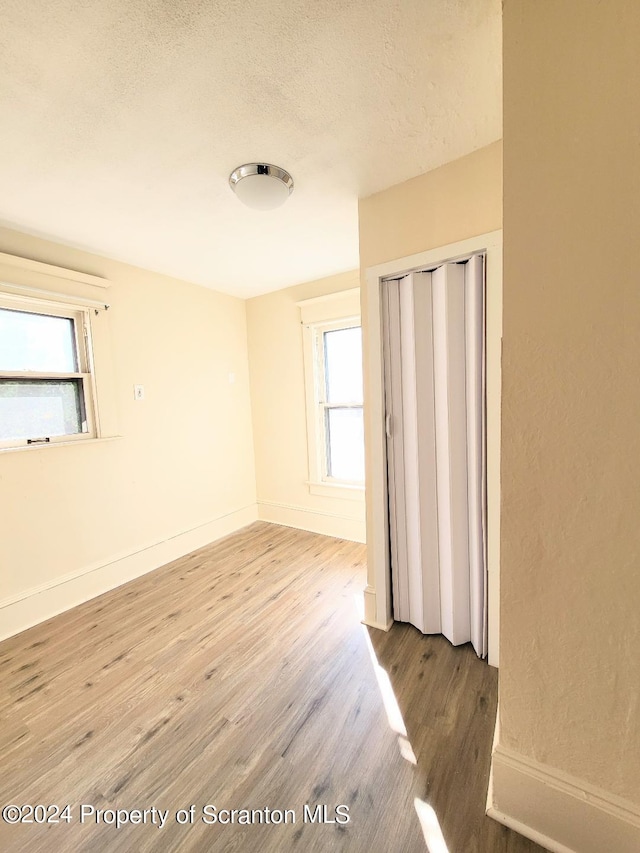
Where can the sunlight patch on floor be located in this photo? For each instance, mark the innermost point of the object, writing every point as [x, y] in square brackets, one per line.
[394, 715]
[430, 827]
[429, 822]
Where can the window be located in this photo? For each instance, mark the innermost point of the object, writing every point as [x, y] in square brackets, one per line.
[46, 386]
[333, 374]
[339, 376]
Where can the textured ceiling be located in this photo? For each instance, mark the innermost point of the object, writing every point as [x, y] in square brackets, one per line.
[122, 119]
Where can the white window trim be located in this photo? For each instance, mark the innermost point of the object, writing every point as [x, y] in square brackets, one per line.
[319, 315]
[342, 491]
[79, 311]
[82, 330]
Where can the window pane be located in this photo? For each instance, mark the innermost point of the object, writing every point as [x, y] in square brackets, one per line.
[36, 342]
[345, 444]
[343, 365]
[40, 408]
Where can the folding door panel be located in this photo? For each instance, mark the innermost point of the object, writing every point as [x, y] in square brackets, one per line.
[411, 451]
[476, 456]
[451, 450]
[423, 469]
[395, 450]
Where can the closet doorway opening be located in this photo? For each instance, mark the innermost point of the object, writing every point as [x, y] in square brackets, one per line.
[433, 354]
[433, 420]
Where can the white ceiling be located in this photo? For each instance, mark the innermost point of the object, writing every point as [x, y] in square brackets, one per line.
[122, 119]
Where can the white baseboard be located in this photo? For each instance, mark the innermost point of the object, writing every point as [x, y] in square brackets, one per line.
[370, 611]
[316, 521]
[558, 811]
[37, 604]
[379, 625]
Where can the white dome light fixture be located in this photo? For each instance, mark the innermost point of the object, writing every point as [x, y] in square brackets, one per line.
[261, 186]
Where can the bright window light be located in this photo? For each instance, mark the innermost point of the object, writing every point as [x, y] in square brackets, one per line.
[332, 347]
[40, 408]
[345, 444]
[46, 392]
[37, 342]
[343, 365]
[340, 398]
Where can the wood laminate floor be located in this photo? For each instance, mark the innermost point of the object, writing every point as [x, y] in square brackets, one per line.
[240, 677]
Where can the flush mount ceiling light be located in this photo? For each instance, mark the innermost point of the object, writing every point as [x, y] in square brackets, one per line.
[261, 186]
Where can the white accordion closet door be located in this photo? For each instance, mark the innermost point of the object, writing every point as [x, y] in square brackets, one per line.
[433, 325]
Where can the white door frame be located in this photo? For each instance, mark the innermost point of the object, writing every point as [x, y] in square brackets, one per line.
[377, 596]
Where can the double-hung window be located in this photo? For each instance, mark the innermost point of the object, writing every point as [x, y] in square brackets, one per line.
[46, 383]
[339, 379]
[332, 338]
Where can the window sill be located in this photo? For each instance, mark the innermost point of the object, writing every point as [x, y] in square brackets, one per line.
[78, 441]
[341, 491]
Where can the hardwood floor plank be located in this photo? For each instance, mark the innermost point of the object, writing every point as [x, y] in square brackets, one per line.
[240, 676]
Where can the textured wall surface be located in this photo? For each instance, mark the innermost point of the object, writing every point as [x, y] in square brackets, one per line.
[186, 452]
[449, 204]
[569, 694]
[278, 401]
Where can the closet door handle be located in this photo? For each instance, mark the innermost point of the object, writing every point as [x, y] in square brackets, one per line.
[387, 425]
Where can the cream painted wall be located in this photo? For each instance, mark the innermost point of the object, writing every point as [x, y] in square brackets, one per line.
[570, 641]
[185, 458]
[279, 414]
[459, 200]
[449, 204]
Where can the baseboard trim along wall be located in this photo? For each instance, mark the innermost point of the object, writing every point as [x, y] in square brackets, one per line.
[40, 603]
[371, 609]
[558, 811]
[315, 521]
